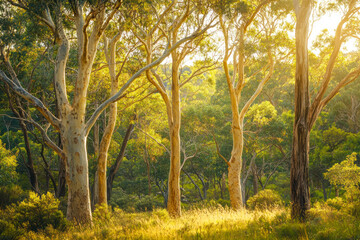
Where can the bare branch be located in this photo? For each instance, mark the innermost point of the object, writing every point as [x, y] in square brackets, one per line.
[166, 53]
[218, 151]
[162, 145]
[19, 90]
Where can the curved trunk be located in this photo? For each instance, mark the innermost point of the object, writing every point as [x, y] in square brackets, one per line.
[114, 168]
[74, 142]
[103, 154]
[235, 165]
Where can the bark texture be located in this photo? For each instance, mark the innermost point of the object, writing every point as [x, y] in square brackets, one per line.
[306, 112]
[299, 173]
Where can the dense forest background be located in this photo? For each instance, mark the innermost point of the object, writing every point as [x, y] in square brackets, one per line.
[227, 59]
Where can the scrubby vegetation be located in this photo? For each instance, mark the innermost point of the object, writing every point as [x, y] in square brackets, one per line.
[325, 222]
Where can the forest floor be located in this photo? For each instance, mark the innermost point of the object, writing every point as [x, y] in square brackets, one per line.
[211, 223]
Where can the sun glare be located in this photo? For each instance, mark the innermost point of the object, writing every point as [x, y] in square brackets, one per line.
[330, 22]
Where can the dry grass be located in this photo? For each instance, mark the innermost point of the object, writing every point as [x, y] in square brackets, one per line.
[211, 223]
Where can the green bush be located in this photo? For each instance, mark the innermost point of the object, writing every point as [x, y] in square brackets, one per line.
[11, 194]
[8, 231]
[130, 203]
[265, 199]
[36, 213]
[147, 203]
[336, 203]
[353, 209]
[122, 200]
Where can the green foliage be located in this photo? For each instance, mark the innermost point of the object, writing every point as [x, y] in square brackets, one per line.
[336, 203]
[8, 231]
[131, 203]
[8, 174]
[35, 213]
[347, 175]
[10, 194]
[262, 113]
[291, 231]
[353, 209]
[265, 199]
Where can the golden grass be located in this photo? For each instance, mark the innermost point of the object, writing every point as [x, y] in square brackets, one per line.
[210, 223]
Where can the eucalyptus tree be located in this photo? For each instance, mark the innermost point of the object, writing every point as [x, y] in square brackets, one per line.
[188, 18]
[84, 23]
[114, 72]
[237, 18]
[308, 108]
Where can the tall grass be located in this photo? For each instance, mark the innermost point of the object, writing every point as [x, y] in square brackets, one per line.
[210, 223]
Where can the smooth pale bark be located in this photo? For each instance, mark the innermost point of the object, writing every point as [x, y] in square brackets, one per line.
[71, 120]
[74, 143]
[174, 194]
[235, 87]
[109, 129]
[235, 164]
[172, 102]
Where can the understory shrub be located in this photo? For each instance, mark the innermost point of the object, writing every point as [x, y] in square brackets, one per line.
[336, 203]
[11, 194]
[131, 203]
[265, 199]
[35, 213]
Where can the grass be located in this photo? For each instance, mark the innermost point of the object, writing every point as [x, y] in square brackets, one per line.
[210, 223]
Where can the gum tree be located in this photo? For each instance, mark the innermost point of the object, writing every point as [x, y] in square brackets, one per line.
[308, 108]
[89, 21]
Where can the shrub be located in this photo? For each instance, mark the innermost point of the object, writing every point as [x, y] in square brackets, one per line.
[122, 200]
[36, 213]
[11, 194]
[147, 203]
[265, 199]
[9, 231]
[353, 209]
[130, 203]
[336, 203]
[102, 213]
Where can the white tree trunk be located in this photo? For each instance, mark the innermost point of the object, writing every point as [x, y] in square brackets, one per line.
[74, 142]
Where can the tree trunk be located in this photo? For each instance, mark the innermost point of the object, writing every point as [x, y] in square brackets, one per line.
[103, 154]
[30, 163]
[222, 184]
[174, 195]
[95, 191]
[74, 142]
[255, 180]
[324, 190]
[114, 168]
[194, 183]
[174, 203]
[235, 165]
[336, 191]
[299, 173]
[62, 178]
